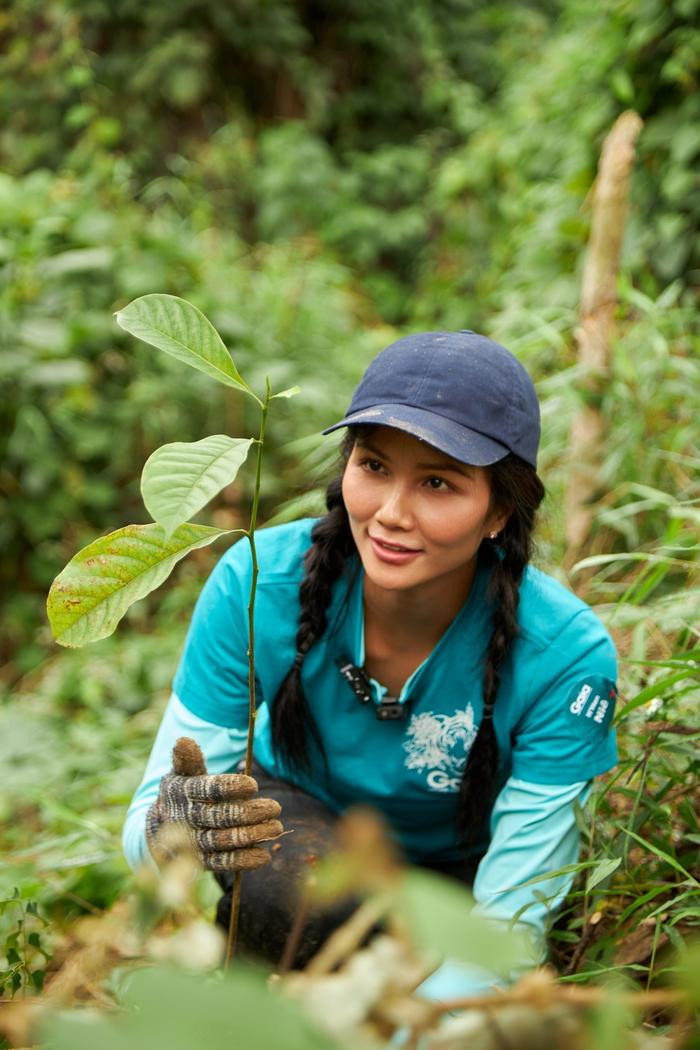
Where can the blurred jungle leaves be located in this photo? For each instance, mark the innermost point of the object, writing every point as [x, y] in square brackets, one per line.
[439, 914]
[316, 179]
[173, 1009]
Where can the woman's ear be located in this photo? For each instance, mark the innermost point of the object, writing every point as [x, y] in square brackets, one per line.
[498, 519]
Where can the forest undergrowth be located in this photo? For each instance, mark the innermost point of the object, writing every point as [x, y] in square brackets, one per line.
[74, 735]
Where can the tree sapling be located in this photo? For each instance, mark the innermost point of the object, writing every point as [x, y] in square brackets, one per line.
[91, 595]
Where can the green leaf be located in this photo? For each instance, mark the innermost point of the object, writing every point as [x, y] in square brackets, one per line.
[611, 559]
[639, 902]
[289, 392]
[568, 869]
[184, 1010]
[179, 479]
[88, 599]
[688, 976]
[307, 505]
[601, 871]
[662, 855]
[180, 329]
[687, 659]
[439, 914]
[610, 1019]
[621, 83]
[37, 979]
[651, 691]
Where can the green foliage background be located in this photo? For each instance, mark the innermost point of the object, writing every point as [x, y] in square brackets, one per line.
[319, 178]
[307, 175]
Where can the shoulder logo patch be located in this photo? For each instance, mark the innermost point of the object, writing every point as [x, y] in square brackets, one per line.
[593, 699]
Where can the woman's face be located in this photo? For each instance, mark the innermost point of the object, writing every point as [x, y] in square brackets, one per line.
[416, 515]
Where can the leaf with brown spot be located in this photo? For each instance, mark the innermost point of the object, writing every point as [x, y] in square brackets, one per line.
[89, 597]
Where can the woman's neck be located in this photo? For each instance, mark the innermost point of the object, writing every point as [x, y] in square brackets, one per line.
[416, 619]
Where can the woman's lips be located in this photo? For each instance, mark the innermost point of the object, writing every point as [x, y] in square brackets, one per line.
[393, 553]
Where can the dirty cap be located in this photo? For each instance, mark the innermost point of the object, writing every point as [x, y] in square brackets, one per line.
[460, 392]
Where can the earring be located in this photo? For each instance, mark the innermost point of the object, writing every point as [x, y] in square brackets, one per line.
[492, 535]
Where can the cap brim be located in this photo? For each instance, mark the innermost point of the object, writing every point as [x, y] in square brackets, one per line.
[464, 445]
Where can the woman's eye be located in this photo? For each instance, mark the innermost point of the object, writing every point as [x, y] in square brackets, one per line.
[372, 465]
[436, 484]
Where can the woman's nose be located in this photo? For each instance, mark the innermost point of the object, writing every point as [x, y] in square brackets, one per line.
[395, 511]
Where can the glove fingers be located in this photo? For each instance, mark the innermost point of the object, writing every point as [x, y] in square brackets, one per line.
[237, 860]
[221, 839]
[219, 787]
[232, 814]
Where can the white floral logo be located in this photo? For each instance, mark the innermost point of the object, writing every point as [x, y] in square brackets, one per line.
[440, 743]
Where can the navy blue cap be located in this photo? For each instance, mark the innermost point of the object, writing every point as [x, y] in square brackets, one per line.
[460, 392]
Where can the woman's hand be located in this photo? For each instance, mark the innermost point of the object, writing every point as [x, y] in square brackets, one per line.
[223, 820]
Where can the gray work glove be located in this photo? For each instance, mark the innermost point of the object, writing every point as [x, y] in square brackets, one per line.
[223, 821]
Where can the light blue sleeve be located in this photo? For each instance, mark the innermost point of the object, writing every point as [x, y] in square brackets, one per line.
[211, 679]
[533, 831]
[222, 747]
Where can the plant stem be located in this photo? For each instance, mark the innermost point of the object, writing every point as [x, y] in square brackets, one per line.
[655, 998]
[236, 890]
[233, 920]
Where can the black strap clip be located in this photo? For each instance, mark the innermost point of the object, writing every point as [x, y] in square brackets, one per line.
[388, 710]
[357, 680]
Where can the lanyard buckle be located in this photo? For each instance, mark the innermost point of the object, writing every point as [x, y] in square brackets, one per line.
[390, 709]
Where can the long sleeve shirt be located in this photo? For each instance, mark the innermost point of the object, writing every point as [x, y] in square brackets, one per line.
[552, 720]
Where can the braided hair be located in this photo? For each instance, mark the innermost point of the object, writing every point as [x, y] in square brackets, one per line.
[516, 487]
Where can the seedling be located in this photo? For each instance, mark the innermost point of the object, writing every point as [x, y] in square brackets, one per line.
[91, 595]
[22, 947]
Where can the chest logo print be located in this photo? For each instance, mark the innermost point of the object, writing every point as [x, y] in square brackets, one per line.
[440, 744]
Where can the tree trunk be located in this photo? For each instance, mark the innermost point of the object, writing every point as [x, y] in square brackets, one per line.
[595, 331]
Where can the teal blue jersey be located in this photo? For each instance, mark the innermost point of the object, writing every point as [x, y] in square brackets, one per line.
[552, 715]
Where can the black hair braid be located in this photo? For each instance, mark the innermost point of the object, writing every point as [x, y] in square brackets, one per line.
[292, 722]
[513, 484]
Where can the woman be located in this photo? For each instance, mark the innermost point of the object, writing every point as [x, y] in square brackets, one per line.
[407, 656]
